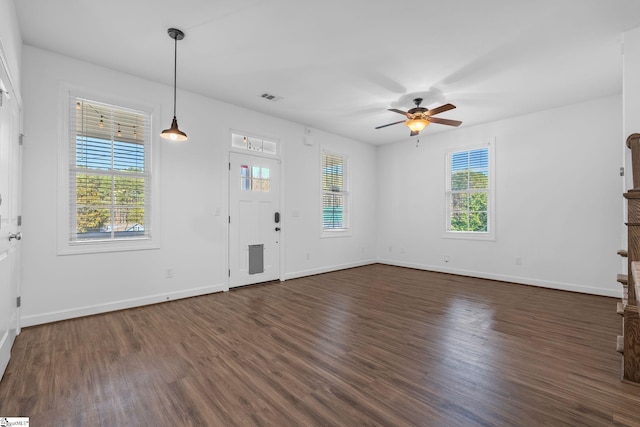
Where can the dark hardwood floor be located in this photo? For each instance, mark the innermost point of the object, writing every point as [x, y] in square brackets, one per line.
[375, 345]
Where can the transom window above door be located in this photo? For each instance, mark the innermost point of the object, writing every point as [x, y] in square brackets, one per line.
[255, 144]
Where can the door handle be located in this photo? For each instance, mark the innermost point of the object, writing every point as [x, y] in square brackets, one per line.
[17, 236]
[277, 228]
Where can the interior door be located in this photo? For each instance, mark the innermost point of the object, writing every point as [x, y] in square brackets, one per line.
[254, 219]
[10, 192]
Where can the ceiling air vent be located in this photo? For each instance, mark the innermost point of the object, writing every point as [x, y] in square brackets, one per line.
[270, 97]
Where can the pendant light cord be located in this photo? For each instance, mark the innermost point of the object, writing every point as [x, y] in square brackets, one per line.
[175, 72]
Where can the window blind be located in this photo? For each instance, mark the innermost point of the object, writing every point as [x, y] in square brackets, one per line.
[334, 192]
[109, 172]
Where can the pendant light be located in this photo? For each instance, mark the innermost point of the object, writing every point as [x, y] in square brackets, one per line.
[173, 133]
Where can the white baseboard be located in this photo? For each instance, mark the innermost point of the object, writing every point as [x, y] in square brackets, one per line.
[573, 287]
[5, 351]
[328, 269]
[55, 316]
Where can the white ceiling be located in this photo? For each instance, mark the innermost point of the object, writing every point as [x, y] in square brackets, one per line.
[338, 65]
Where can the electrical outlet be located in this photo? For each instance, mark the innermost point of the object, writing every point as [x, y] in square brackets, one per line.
[518, 260]
[169, 273]
[308, 256]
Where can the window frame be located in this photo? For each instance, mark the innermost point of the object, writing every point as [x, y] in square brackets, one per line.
[490, 234]
[66, 246]
[346, 194]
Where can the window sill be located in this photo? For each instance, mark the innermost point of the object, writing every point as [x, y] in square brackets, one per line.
[461, 235]
[79, 248]
[335, 233]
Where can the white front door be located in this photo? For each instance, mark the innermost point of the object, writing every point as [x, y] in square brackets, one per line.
[10, 192]
[254, 219]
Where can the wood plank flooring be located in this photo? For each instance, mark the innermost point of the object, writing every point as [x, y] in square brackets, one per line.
[375, 345]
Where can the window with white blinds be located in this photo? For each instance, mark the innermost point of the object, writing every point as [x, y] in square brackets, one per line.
[109, 172]
[468, 193]
[335, 193]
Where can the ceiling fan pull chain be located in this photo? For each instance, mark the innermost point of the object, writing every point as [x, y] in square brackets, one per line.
[417, 141]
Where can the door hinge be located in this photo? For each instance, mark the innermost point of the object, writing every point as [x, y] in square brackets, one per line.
[21, 139]
[19, 220]
[622, 171]
[229, 272]
[18, 302]
[229, 219]
[229, 165]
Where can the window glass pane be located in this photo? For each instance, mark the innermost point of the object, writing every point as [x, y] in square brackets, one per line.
[479, 222]
[266, 185]
[460, 180]
[93, 222]
[459, 201]
[128, 156]
[256, 184]
[264, 173]
[129, 200]
[459, 221]
[254, 144]
[332, 211]
[93, 190]
[255, 172]
[478, 202]
[269, 147]
[239, 141]
[245, 184]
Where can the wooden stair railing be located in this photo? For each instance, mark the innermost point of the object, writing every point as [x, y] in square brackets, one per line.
[629, 342]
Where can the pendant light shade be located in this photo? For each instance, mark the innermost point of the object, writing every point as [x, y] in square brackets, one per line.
[173, 133]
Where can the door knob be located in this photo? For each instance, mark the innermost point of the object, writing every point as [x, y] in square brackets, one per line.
[277, 228]
[17, 236]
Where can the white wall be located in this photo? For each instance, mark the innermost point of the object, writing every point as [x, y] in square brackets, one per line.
[193, 186]
[558, 200]
[11, 40]
[631, 92]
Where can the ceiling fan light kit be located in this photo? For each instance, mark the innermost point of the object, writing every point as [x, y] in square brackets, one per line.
[419, 117]
[174, 133]
[416, 125]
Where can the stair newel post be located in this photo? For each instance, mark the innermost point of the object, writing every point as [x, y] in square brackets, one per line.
[633, 142]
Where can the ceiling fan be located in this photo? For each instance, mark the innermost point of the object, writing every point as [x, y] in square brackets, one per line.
[419, 117]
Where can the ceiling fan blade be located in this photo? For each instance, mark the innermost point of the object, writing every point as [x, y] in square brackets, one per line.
[404, 113]
[413, 133]
[445, 121]
[440, 109]
[394, 123]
